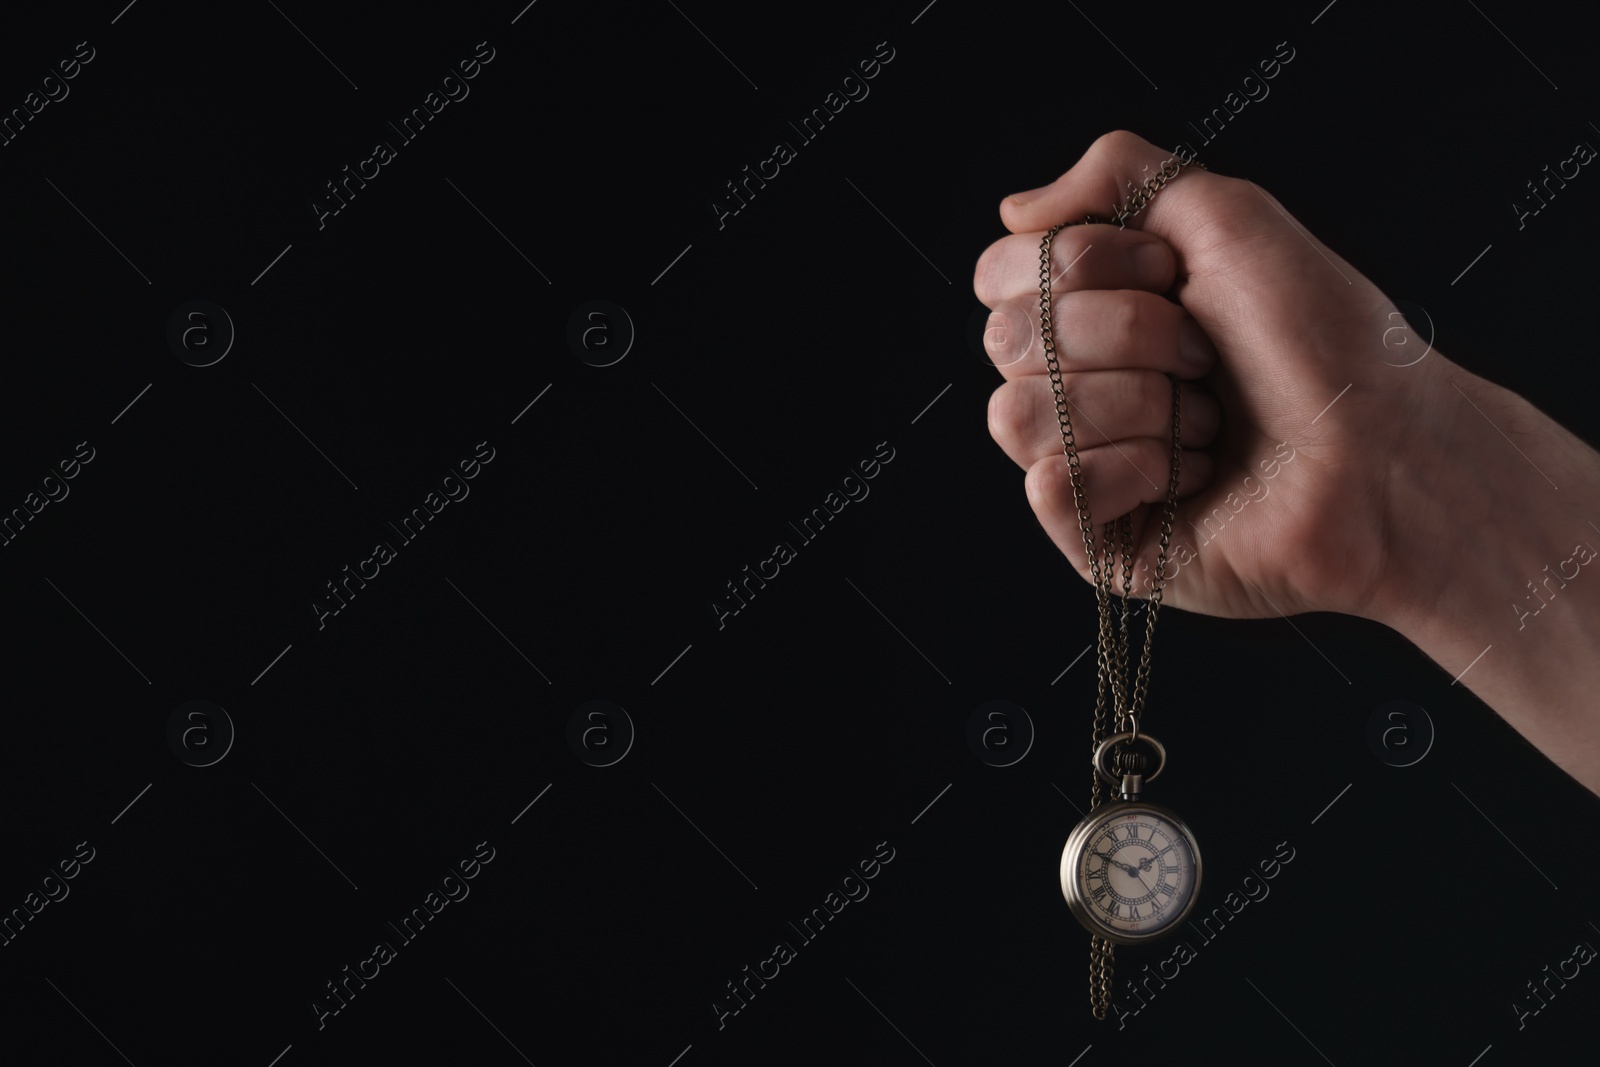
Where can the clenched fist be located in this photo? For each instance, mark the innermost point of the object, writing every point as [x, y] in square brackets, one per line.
[1283, 506]
[1325, 466]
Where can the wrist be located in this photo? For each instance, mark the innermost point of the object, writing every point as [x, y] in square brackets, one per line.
[1490, 542]
[1468, 501]
[1488, 514]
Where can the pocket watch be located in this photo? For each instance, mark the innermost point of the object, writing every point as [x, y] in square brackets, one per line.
[1131, 869]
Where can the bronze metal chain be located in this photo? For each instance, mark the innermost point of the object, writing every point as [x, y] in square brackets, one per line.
[1112, 651]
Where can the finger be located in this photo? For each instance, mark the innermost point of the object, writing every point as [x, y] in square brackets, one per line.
[1104, 406]
[1117, 478]
[1100, 329]
[1081, 257]
[1103, 179]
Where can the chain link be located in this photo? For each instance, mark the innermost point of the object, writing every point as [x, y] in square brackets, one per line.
[1100, 966]
[1116, 535]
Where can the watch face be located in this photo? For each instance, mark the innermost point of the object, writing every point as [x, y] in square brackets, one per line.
[1131, 872]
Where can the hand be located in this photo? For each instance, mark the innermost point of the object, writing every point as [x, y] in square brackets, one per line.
[1139, 877]
[1113, 863]
[1328, 463]
[1286, 504]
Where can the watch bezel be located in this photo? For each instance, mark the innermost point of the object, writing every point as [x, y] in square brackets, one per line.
[1083, 911]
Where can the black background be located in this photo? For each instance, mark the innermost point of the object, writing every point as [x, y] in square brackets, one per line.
[776, 753]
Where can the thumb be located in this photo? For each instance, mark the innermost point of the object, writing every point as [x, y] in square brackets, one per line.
[1116, 166]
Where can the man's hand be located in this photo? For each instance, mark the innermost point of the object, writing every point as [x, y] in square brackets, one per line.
[1325, 466]
[1287, 509]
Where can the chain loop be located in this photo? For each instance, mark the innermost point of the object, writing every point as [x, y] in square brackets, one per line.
[1116, 538]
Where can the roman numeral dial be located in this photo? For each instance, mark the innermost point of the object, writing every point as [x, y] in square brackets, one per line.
[1130, 871]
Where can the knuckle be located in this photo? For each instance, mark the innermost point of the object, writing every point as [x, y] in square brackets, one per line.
[1124, 315]
[1066, 251]
[1113, 145]
[1007, 412]
[996, 408]
[980, 277]
[988, 274]
[1235, 184]
[999, 418]
[1232, 214]
[1033, 484]
[1042, 481]
[1048, 483]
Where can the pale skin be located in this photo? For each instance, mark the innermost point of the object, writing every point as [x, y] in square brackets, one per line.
[1404, 503]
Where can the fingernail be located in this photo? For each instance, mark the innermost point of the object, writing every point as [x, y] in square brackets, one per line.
[1024, 198]
[1194, 348]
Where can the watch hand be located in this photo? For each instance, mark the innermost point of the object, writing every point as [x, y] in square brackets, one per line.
[1128, 867]
[1111, 862]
